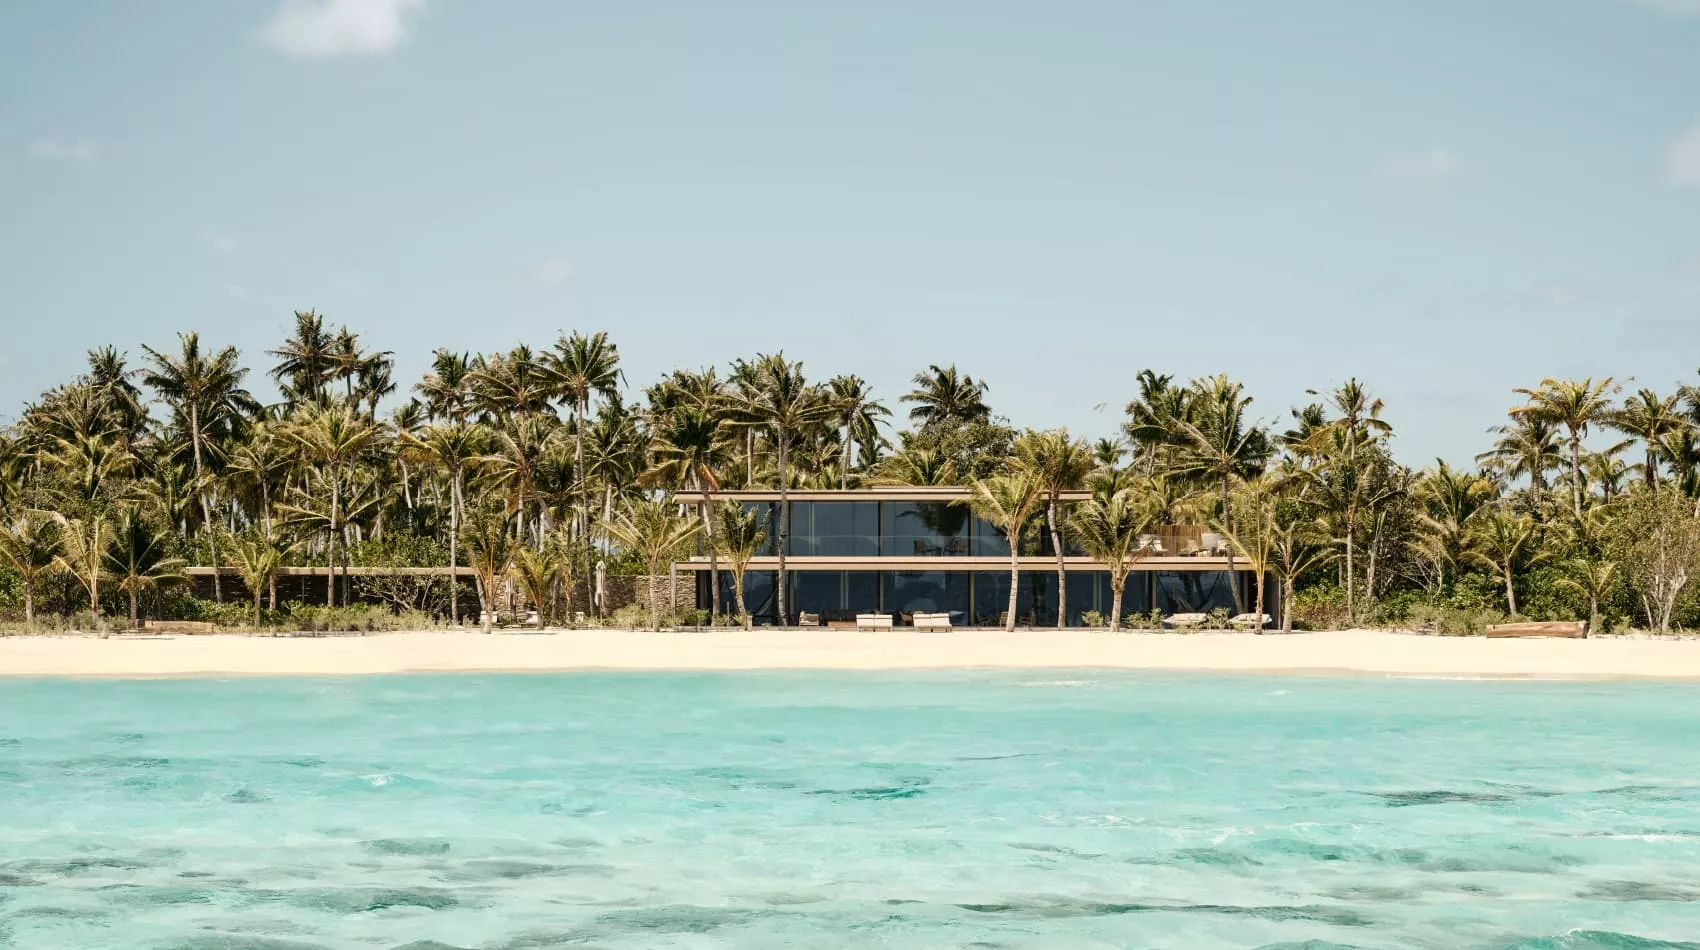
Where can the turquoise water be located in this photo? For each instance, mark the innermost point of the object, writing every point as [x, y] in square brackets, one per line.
[987, 810]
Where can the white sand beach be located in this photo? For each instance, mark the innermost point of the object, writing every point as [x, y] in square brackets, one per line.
[1348, 652]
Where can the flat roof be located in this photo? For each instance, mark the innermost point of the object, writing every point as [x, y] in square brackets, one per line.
[941, 493]
[967, 563]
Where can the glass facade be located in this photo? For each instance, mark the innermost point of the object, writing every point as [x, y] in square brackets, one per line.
[974, 598]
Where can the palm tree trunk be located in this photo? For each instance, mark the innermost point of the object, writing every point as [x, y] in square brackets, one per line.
[1351, 569]
[330, 549]
[1228, 525]
[784, 523]
[201, 490]
[256, 609]
[713, 560]
[29, 604]
[134, 614]
[1014, 576]
[1258, 607]
[1062, 570]
[738, 595]
[1118, 583]
[272, 583]
[454, 550]
[1287, 604]
[1510, 592]
[1576, 471]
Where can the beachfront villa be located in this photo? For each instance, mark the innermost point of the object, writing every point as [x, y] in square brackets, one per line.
[905, 550]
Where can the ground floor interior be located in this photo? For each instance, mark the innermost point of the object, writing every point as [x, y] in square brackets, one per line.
[980, 598]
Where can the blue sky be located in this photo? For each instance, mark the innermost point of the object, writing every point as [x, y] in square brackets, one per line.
[1446, 198]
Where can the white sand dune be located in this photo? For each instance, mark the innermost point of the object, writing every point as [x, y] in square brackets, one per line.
[1358, 652]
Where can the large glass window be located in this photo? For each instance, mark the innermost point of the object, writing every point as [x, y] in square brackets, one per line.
[768, 513]
[986, 540]
[909, 592]
[835, 528]
[1187, 592]
[758, 595]
[923, 529]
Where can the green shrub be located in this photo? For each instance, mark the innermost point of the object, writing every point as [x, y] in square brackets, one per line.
[1322, 607]
[1219, 618]
[629, 617]
[1092, 618]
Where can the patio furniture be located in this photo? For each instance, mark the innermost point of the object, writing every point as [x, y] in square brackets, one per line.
[1249, 621]
[808, 620]
[936, 621]
[1186, 621]
[873, 621]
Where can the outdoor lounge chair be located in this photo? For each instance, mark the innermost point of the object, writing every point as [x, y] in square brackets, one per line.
[1186, 621]
[1249, 621]
[938, 621]
[808, 620]
[873, 621]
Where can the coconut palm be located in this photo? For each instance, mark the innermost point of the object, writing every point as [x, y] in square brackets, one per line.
[256, 561]
[139, 559]
[858, 415]
[579, 368]
[741, 534]
[1113, 531]
[1008, 502]
[1060, 463]
[1592, 579]
[1298, 545]
[206, 393]
[446, 390]
[453, 448]
[691, 448]
[785, 406]
[539, 573]
[1528, 448]
[943, 395]
[259, 464]
[1648, 417]
[1155, 420]
[655, 531]
[334, 437]
[1223, 444]
[1576, 405]
[1507, 543]
[1451, 499]
[487, 536]
[82, 553]
[29, 545]
[914, 466]
[306, 363]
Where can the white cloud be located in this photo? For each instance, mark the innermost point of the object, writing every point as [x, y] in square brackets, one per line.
[1672, 7]
[320, 28]
[60, 150]
[1682, 163]
[555, 270]
[1423, 164]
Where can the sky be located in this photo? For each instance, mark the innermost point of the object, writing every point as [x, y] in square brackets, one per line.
[1444, 198]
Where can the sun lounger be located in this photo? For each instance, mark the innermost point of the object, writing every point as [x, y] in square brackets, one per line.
[873, 621]
[808, 620]
[932, 621]
[1186, 621]
[177, 626]
[1249, 621]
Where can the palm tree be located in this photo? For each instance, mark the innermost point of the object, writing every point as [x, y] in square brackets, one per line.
[945, 395]
[1299, 546]
[334, 437]
[306, 362]
[1112, 530]
[1008, 502]
[580, 367]
[786, 406]
[1527, 448]
[452, 448]
[1339, 444]
[29, 544]
[138, 559]
[1451, 501]
[1648, 418]
[538, 573]
[1575, 405]
[82, 553]
[1506, 543]
[914, 466]
[446, 389]
[518, 448]
[1223, 445]
[691, 447]
[487, 535]
[858, 414]
[654, 530]
[742, 534]
[1060, 464]
[1155, 419]
[1592, 579]
[207, 394]
[256, 561]
[260, 463]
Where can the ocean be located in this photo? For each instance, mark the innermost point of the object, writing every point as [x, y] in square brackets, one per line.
[1038, 809]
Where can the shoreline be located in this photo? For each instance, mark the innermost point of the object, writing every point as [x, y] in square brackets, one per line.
[1352, 653]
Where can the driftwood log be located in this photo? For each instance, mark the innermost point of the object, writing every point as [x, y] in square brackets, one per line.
[1571, 629]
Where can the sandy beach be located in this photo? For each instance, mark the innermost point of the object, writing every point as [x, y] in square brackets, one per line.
[1349, 652]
